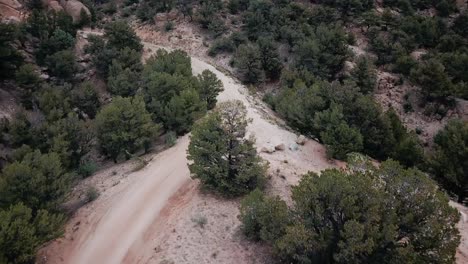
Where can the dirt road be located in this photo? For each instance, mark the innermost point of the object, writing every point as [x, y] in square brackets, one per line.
[132, 213]
[121, 218]
[125, 223]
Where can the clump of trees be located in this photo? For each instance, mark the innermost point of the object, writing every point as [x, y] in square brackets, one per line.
[32, 187]
[124, 126]
[223, 159]
[10, 57]
[116, 53]
[438, 72]
[346, 120]
[48, 144]
[344, 215]
[449, 160]
[173, 95]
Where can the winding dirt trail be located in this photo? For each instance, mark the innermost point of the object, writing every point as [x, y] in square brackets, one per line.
[125, 222]
[121, 220]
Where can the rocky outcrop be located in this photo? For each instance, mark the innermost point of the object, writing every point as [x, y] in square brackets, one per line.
[10, 11]
[462, 108]
[73, 8]
[163, 17]
[54, 6]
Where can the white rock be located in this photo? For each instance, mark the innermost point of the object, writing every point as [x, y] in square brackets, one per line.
[293, 147]
[267, 150]
[301, 140]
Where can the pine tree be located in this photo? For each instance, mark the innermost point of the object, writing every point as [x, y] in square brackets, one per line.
[120, 35]
[183, 110]
[223, 160]
[22, 231]
[86, 99]
[364, 75]
[249, 63]
[124, 126]
[449, 162]
[210, 87]
[38, 180]
[122, 82]
[362, 214]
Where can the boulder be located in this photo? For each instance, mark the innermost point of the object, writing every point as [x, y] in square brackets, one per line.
[417, 54]
[293, 147]
[348, 67]
[73, 8]
[301, 140]
[163, 17]
[54, 6]
[268, 150]
[280, 147]
[44, 76]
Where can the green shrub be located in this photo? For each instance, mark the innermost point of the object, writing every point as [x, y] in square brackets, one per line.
[87, 169]
[170, 139]
[91, 194]
[200, 220]
[169, 26]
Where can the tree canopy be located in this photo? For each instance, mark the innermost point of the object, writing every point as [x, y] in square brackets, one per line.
[223, 159]
[361, 215]
[124, 126]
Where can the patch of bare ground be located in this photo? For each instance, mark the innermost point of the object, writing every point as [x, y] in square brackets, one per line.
[405, 99]
[8, 102]
[462, 251]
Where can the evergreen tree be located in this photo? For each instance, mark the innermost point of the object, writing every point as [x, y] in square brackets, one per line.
[122, 82]
[183, 110]
[360, 215]
[10, 58]
[38, 180]
[210, 87]
[364, 75]
[223, 160]
[249, 63]
[175, 63]
[62, 64]
[449, 162]
[60, 40]
[54, 101]
[20, 130]
[460, 25]
[263, 217]
[28, 79]
[71, 139]
[271, 61]
[124, 126]
[86, 99]
[120, 35]
[323, 53]
[22, 231]
[160, 88]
